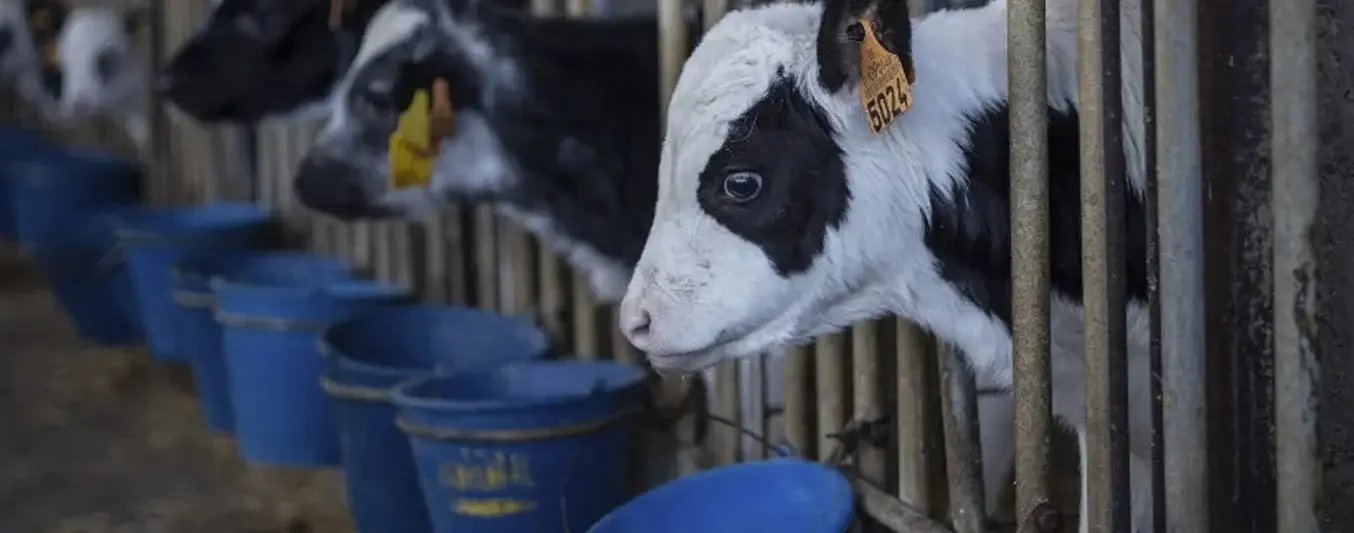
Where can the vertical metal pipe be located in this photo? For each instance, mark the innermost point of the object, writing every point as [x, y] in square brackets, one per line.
[963, 457]
[830, 382]
[798, 410]
[1103, 229]
[486, 258]
[673, 37]
[1296, 194]
[914, 416]
[1151, 222]
[1181, 274]
[869, 396]
[1027, 70]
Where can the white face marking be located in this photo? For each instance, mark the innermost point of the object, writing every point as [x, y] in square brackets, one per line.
[94, 35]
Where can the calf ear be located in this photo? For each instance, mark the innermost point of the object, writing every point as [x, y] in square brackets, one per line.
[133, 18]
[840, 33]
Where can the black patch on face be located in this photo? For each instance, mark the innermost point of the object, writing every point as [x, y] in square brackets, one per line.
[255, 58]
[787, 140]
[971, 233]
[385, 85]
[587, 136]
[107, 64]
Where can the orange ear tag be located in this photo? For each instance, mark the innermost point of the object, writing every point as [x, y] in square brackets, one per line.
[884, 89]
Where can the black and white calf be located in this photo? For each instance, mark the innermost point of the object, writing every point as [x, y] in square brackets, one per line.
[91, 68]
[780, 217]
[557, 123]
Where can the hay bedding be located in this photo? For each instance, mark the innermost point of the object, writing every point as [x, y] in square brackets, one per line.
[95, 440]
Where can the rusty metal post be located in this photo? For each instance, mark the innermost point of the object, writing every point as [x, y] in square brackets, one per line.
[1181, 274]
[963, 456]
[798, 412]
[1027, 70]
[1296, 194]
[830, 381]
[1103, 265]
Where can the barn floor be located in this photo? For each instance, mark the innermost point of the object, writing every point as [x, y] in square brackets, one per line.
[97, 440]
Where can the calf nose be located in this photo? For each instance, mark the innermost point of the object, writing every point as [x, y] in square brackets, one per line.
[331, 187]
[634, 322]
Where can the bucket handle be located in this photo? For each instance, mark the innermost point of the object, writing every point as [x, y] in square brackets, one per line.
[266, 323]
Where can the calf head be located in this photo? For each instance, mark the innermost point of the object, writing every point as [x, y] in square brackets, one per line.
[253, 59]
[765, 232]
[92, 69]
[408, 46]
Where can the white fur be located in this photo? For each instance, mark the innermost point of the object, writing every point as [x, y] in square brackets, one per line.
[89, 31]
[711, 296]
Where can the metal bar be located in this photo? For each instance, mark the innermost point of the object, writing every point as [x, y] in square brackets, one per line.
[869, 396]
[830, 384]
[1151, 222]
[486, 258]
[896, 515]
[963, 457]
[915, 417]
[673, 43]
[587, 343]
[1102, 233]
[797, 411]
[1027, 70]
[1179, 216]
[1296, 138]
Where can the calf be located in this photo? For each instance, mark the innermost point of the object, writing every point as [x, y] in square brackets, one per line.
[91, 69]
[556, 122]
[781, 217]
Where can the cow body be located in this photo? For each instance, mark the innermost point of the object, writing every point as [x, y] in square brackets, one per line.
[781, 217]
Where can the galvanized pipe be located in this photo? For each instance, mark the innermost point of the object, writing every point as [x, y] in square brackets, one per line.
[963, 457]
[830, 383]
[1027, 72]
[868, 394]
[1180, 240]
[914, 416]
[1103, 266]
[1293, 72]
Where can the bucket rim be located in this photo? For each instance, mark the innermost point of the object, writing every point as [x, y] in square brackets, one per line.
[826, 482]
[401, 394]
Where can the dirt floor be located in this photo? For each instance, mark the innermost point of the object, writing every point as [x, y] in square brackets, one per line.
[95, 440]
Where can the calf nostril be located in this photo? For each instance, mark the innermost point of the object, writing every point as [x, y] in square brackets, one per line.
[636, 324]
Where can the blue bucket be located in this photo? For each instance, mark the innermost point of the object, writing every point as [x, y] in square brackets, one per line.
[270, 327]
[366, 356]
[501, 449]
[153, 238]
[15, 143]
[58, 199]
[198, 336]
[773, 496]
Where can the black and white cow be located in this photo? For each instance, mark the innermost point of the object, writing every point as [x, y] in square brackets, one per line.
[261, 59]
[557, 123]
[780, 217]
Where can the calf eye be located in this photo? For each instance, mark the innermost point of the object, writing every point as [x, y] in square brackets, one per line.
[743, 186]
[106, 65]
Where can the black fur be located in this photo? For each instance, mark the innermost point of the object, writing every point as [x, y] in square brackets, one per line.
[255, 58]
[788, 141]
[971, 233]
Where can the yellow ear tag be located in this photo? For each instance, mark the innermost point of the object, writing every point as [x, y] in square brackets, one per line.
[412, 153]
[884, 88]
